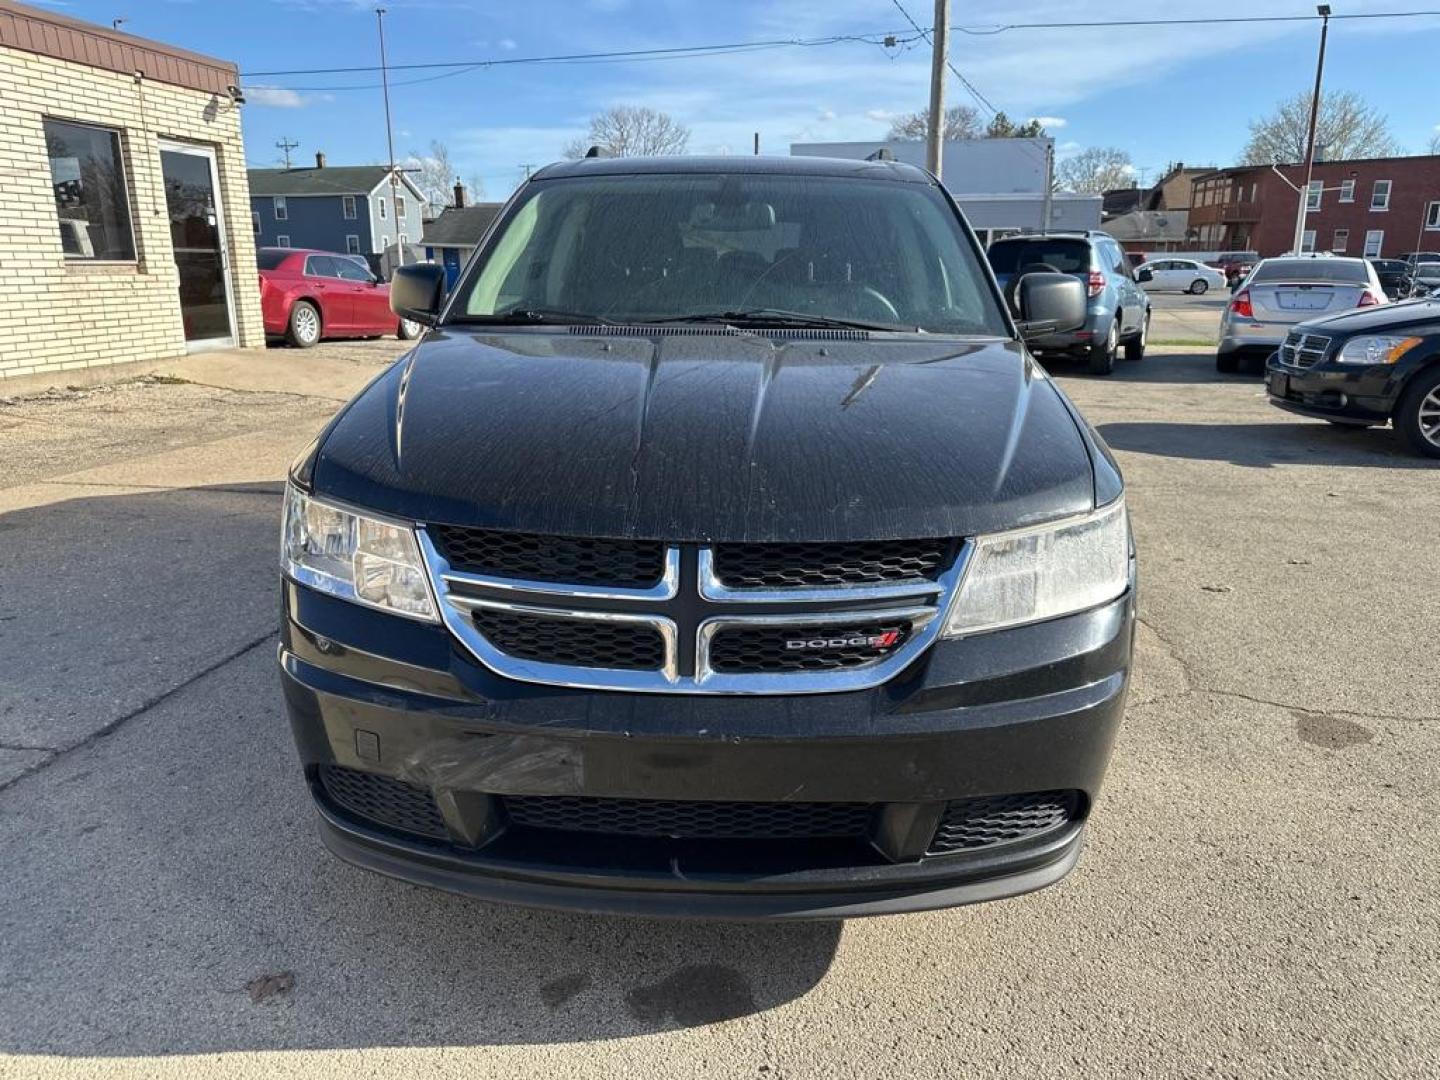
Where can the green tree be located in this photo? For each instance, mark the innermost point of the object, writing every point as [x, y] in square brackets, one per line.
[1002, 127]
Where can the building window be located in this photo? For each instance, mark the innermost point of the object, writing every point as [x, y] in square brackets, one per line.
[1347, 190]
[347, 205]
[87, 175]
[282, 241]
[399, 206]
[1307, 242]
[282, 212]
[1374, 240]
[402, 239]
[1341, 241]
[255, 221]
[1380, 195]
[382, 209]
[352, 244]
[384, 243]
[1432, 215]
[1312, 194]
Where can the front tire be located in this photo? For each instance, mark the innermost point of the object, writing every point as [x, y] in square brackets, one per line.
[1135, 347]
[409, 330]
[1417, 417]
[305, 327]
[1102, 357]
[1198, 287]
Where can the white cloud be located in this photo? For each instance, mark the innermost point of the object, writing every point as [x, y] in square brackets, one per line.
[826, 114]
[1050, 123]
[508, 44]
[882, 115]
[276, 97]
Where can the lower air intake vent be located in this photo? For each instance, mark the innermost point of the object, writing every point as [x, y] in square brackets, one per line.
[384, 800]
[1001, 819]
[690, 820]
[582, 642]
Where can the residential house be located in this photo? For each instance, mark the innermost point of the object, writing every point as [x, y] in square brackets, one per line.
[124, 235]
[1175, 188]
[998, 183]
[1366, 206]
[452, 237]
[335, 208]
[1150, 230]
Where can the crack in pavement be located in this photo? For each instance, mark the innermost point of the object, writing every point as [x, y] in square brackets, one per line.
[1193, 685]
[112, 726]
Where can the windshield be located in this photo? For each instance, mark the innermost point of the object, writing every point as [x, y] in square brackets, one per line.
[666, 248]
[1065, 256]
[1350, 271]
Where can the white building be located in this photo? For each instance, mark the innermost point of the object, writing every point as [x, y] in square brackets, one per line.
[999, 183]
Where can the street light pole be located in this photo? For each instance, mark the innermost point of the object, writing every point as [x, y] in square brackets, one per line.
[939, 49]
[389, 133]
[1323, 10]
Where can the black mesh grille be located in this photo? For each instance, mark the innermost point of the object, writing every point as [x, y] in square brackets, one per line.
[582, 642]
[999, 819]
[383, 799]
[634, 564]
[691, 820]
[784, 566]
[742, 648]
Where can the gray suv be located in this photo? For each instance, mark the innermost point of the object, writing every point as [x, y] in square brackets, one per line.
[1119, 310]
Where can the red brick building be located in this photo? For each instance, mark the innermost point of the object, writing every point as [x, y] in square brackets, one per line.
[1367, 206]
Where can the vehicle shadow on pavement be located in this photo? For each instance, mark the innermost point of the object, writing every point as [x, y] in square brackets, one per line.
[1157, 367]
[1264, 446]
[165, 891]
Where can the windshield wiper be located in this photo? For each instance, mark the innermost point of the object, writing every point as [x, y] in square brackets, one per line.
[767, 316]
[549, 316]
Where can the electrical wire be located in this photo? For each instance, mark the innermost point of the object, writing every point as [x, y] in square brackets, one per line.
[985, 30]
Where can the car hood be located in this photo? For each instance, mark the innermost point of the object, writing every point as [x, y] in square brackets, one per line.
[1382, 318]
[718, 437]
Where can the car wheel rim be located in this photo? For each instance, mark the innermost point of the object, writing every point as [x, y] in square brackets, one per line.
[306, 324]
[408, 328]
[1113, 341]
[1430, 417]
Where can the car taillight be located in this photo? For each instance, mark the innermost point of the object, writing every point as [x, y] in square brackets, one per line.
[1241, 305]
[1368, 299]
[1097, 283]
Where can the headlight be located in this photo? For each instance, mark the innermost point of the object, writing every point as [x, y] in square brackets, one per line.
[354, 556]
[1376, 349]
[1033, 574]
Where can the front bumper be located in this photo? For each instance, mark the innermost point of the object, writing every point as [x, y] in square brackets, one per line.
[1034, 709]
[1346, 393]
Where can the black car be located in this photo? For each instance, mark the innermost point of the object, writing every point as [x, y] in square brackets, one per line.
[1394, 277]
[1366, 367]
[719, 551]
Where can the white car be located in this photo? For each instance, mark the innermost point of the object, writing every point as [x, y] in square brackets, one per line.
[1182, 275]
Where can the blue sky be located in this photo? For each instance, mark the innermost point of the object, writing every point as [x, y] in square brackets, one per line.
[1162, 94]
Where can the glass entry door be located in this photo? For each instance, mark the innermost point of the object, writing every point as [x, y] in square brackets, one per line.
[192, 199]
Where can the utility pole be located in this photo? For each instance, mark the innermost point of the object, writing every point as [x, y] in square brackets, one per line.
[935, 129]
[1049, 185]
[529, 168]
[1323, 10]
[757, 144]
[389, 131]
[285, 145]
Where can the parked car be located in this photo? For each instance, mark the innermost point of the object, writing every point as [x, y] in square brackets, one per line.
[308, 295]
[1413, 257]
[1281, 292]
[1119, 310]
[721, 554]
[1365, 368]
[1235, 264]
[1425, 277]
[1181, 275]
[1394, 275]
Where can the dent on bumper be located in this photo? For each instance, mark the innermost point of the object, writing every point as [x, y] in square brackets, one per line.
[1029, 710]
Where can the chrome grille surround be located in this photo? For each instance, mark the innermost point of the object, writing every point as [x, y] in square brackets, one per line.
[687, 624]
[1301, 350]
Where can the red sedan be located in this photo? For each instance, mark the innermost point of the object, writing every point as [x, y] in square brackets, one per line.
[309, 295]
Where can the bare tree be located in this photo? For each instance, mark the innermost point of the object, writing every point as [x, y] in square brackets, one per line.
[1347, 128]
[1097, 169]
[1434, 145]
[961, 122]
[632, 131]
[434, 174]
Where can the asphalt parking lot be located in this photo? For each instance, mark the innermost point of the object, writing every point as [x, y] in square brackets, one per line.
[1257, 898]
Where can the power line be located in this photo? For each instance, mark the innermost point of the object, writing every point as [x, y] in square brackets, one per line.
[986, 30]
[979, 97]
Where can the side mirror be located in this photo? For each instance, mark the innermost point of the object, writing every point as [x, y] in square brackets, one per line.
[417, 291]
[1144, 274]
[1049, 304]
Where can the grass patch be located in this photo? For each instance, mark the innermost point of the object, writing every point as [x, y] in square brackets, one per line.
[1181, 341]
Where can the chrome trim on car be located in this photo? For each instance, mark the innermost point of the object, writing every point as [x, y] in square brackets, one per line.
[923, 615]
[667, 588]
[712, 588]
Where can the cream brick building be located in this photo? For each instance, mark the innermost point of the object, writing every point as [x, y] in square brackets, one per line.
[115, 154]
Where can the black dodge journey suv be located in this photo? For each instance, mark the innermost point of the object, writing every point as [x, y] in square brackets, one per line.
[720, 551]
